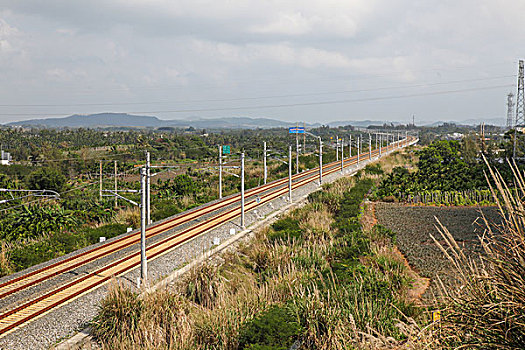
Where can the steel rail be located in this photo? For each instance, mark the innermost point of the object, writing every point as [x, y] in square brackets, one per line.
[125, 264]
[22, 282]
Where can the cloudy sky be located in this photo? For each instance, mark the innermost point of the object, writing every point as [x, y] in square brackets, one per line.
[297, 60]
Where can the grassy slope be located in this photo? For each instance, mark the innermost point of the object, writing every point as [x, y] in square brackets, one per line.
[314, 276]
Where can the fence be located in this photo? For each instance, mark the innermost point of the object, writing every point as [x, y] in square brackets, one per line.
[468, 197]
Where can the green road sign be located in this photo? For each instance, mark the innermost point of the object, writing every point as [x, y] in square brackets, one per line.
[225, 149]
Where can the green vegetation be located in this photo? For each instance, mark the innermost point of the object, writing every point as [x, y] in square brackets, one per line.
[315, 276]
[448, 173]
[68, 162]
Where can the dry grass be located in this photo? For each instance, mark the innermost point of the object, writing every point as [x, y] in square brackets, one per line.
[487, 310]
[209, 308]
[129, 216]
[5, 265]
[404, 157]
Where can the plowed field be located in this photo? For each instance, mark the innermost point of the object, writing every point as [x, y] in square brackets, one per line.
[415, 224]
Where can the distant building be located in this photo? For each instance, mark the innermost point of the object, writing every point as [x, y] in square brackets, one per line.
[455, 136]
[6, 158]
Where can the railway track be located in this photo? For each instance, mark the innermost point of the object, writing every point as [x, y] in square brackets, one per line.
[38, 306]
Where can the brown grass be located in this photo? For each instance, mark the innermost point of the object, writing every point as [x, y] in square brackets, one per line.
[487, 309]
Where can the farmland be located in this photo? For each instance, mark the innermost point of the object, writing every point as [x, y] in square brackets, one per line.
[414, 225]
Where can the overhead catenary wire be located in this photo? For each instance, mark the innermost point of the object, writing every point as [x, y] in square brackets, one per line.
[259, 97]
[287, 105]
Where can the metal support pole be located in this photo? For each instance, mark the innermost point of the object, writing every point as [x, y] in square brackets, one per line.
[304, 139]
[265, 169]
[350, 147]
[369, 147]
[143, 258]
[376, 140]
[380, 144]
[337, 148]
[242, 191]
[148, 188]
[220, 172]
[100, 181]
[342, 155]
[358, 149]
[320, 161]
[290, 173]
[297, 155]
[116, 198]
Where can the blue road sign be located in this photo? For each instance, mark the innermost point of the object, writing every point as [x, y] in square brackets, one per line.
[296, 130]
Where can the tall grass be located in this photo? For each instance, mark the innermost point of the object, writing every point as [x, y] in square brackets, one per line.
[487, 311]
[311, 277]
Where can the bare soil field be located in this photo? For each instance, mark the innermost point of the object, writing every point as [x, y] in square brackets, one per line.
[415, 224]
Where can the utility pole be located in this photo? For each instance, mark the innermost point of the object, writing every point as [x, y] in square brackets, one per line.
[264, 161]
[220, 172]
[116, 198]
[290, 173]
[304, 138]
[336, 147]
[369, 147]
[143, 258]
[242, 191]
[358, 149]
[520, 106]
[148, 188]
[380, 143]
[320, 161]
[296, 154]
[100, 180]
[342, 155]
[350, 147]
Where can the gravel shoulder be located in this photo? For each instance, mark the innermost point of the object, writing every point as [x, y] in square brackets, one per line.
[65, 321]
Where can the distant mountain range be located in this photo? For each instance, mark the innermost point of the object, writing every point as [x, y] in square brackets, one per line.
[124, 120]
[102, 120]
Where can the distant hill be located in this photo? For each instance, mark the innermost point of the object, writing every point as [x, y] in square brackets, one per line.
[124, 120]
[93, 120]
[359, 123]
[102, 120]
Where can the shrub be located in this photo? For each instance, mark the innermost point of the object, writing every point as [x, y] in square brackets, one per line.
[274, 329]
[285, 229]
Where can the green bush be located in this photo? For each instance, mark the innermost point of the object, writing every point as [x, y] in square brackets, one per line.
[284, 229]
[274, 329]
[374, 169]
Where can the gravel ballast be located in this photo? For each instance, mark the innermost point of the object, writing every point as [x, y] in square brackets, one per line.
[63, 322]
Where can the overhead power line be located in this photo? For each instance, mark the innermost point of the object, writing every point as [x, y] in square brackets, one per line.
[284, 105]
[258, 97]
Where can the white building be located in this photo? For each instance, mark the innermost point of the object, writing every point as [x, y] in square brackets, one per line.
[6, 158]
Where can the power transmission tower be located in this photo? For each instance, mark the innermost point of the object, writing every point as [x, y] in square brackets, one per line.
[520, 105]
[510, 114]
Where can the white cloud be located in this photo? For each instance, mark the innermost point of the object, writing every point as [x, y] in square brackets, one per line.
[118, 48]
